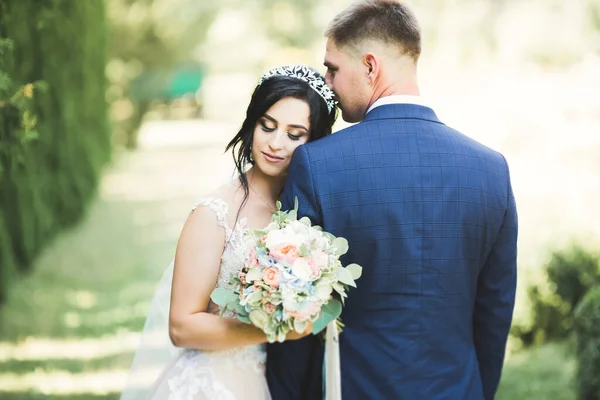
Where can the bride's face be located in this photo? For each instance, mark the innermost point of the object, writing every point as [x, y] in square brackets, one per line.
[278, 133]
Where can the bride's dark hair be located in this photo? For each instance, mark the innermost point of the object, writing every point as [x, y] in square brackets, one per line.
[265, 95]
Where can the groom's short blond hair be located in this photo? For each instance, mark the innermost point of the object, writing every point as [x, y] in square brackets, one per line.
[388, 21]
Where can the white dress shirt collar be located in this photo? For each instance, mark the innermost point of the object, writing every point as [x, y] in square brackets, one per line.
[398, 99]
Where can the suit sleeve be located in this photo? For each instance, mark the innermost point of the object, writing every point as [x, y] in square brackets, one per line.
[495, 300]
[300, 185]
[294, 368]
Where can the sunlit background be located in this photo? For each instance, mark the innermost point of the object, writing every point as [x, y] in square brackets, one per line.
[521, 76]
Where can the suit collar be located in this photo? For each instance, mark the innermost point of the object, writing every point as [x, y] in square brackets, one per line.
[402, 111]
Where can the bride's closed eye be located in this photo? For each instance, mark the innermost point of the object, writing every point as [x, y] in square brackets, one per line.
[265, 127]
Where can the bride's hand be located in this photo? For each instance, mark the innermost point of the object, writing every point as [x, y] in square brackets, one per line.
[293, 335]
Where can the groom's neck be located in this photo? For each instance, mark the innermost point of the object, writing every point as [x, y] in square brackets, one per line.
[407, 88]
[399, 78]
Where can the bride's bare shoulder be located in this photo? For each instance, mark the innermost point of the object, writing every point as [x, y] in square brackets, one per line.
[231, 193]
[228, 196]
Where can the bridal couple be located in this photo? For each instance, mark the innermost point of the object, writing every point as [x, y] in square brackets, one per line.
[428, 212]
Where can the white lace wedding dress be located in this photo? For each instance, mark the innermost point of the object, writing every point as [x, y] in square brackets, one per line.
[236, 374]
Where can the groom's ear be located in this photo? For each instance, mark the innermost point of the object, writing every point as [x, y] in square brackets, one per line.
[372, 64]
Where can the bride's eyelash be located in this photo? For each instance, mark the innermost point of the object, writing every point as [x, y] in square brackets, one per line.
[266, 128]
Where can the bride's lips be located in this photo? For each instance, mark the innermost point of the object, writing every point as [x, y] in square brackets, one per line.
[272, 158]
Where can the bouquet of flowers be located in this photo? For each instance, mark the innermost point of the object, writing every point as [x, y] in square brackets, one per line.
[292, 276]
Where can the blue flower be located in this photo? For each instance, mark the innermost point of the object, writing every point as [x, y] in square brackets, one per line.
[266, 261]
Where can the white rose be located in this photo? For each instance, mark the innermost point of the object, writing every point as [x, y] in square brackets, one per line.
[300, 228]
[283, 237]
[323, 289]
[301, 269]
[289, 300]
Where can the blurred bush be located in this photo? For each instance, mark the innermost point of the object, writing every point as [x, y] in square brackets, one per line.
[587, 328]
[570, 274]
[151, 44]
[54, 132]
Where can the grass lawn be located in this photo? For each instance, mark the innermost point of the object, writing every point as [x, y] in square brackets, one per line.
[545, 372]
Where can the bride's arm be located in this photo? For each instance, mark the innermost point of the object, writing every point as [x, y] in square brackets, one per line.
[197, 263]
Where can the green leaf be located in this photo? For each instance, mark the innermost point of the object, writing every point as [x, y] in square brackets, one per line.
[223, 297]
[305, 221]
[338, 287]
[223, 310]
[340, 246]
[329, 312]
[345, 277]
[355, 270]
[304, 250]
[239, 309]
[292, 215]
[243, 318]
[329, 236]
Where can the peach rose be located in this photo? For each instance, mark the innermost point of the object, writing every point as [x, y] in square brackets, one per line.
[287, 253]
[271, 277]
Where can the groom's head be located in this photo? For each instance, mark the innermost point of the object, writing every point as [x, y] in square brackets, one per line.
[372, 51]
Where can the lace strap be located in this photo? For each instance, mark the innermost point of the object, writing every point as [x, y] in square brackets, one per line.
[220, 207]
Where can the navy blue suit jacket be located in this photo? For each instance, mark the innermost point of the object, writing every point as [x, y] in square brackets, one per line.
[430, 215]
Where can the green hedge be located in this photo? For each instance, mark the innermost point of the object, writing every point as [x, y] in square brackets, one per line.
[54, 131]
[587, 329]
[570, 274]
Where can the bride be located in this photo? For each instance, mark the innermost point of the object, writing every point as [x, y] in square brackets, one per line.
[188, 352]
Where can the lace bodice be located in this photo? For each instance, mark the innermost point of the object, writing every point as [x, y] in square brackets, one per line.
[236, 250]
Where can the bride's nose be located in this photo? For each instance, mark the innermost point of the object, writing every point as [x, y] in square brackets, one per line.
[276, 141]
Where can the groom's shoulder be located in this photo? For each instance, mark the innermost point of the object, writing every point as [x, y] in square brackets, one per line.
[466, 145]
[333, 140]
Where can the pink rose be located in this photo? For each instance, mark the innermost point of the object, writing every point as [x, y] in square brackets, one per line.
[314, 269]
[270, 308]
[305, 312]
[319, 259]
[287, 253]
[252, 261]
[271, 277]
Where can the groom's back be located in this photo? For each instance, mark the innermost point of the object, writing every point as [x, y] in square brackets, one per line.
[421, 206]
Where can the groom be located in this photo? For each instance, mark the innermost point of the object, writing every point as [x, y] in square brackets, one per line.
[428, 212]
